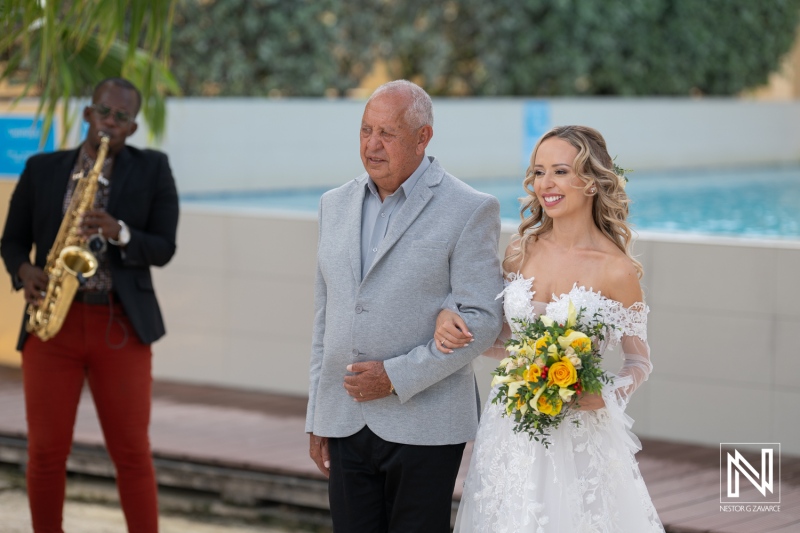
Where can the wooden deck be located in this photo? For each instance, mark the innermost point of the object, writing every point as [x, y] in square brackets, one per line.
[252, 446]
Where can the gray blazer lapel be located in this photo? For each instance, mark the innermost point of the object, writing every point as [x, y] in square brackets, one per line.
[410, 210]
[352, 226]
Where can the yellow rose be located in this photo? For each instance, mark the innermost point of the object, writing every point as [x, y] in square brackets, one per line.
[533, 373]
[547, 408]
[520, 402]
[541, 344]
[562, 373]
[582, 345]
[570, 338]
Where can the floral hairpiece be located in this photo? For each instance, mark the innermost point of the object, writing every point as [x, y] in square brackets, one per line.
[621, 172]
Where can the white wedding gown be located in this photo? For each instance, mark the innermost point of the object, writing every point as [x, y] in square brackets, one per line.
[587, 480]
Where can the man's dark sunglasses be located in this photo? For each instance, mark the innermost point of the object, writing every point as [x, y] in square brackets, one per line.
[120, 117]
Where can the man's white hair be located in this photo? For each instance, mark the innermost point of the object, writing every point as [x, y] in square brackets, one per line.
[420, 112]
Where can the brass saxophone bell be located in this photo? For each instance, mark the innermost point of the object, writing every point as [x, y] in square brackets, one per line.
[77, 260]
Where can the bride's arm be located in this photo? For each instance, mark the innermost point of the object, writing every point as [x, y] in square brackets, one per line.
[632, 317]
[636, 366]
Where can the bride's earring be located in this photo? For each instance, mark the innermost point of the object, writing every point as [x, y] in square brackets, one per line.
[593, 190]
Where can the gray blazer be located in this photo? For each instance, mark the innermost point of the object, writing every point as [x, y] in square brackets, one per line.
[443, 240]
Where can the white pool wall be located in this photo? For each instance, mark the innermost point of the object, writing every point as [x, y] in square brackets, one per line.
[238, 301]
[229, 144]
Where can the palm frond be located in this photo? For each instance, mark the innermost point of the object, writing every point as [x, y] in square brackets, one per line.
[66, 47]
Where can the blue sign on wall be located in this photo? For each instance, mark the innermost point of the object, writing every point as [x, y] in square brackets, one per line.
[19, 139]
[536, 122]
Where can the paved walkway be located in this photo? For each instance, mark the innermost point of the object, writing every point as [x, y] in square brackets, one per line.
[86, 517]
[265, 433]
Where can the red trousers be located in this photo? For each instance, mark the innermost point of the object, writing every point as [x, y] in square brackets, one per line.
[120, 381]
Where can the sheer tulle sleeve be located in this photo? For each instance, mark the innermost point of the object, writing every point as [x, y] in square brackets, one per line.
[636, 366]
[498, 349]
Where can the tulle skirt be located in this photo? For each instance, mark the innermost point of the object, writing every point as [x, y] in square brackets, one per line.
[587, 480]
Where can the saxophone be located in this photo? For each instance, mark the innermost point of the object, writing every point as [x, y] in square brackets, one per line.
[70, 260]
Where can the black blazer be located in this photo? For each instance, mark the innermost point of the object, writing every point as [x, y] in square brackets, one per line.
[143, 194]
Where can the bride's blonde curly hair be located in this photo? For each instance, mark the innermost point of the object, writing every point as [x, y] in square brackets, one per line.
[595, 168]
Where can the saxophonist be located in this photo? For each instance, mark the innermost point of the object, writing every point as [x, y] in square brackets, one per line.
[114, 317]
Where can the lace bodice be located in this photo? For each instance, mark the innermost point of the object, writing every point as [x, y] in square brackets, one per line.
[518, 303]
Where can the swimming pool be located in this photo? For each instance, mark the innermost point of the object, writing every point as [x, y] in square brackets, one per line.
[744, 202]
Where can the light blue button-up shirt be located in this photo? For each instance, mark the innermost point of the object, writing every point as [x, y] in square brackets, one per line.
[376, 214]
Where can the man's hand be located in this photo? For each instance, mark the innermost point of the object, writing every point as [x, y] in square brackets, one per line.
[318, 450]
[34, 282]
[451, 332]
[369, 381]
[98, 221]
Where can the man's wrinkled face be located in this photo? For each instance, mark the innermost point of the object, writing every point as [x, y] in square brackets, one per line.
[391, 149]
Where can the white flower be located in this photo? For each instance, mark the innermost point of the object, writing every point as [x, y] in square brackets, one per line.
[513, 388]
[575, 360]
[565, 393]
[572, 315]
[503, 379]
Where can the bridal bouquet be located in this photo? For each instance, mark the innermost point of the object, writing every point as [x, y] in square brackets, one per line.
[549, 367]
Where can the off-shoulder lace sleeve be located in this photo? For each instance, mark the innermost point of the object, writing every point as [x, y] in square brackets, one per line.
[636, 366]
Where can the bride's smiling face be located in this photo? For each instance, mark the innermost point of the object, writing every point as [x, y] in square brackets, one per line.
[556, 184]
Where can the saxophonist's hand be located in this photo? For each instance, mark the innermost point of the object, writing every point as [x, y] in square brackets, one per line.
[98, 221]
[34, 282]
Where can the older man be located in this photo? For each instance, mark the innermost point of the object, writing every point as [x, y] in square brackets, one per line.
[389, 414]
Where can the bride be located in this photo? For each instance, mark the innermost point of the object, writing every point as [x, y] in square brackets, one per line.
[575, 245]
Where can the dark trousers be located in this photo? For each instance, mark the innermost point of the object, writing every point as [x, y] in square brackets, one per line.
[120, 381]
[379, 487]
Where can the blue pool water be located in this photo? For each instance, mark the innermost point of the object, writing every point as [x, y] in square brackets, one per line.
[746, 202]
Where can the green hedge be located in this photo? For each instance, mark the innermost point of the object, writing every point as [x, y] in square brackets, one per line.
[262, 47]
[480, 47]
